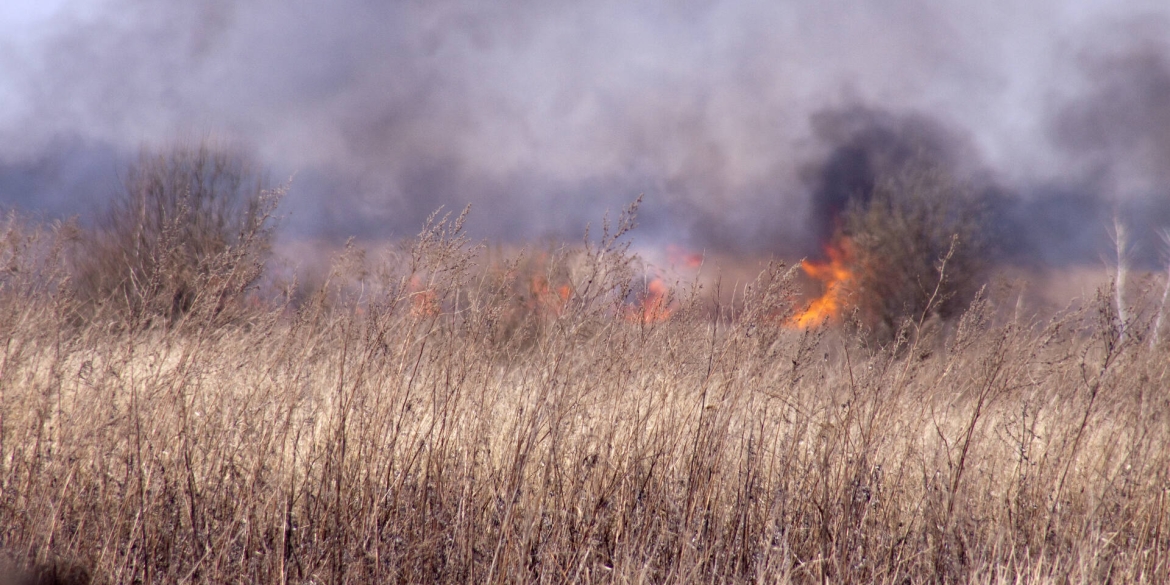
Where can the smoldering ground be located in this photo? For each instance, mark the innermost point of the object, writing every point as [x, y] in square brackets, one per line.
[746, 125]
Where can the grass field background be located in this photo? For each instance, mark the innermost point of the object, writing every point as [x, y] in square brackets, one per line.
[434, 415]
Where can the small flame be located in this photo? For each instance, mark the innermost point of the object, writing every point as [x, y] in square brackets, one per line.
[544, 297]
[835, 275]
[679, 256]
[653, 306]
[423, 301]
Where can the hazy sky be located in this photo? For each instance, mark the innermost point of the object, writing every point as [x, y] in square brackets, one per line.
[544, 114]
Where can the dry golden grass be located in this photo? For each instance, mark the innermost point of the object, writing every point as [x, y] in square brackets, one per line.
[422, 423]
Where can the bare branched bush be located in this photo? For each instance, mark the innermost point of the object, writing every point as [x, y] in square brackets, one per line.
[918, 242]
[192, 227]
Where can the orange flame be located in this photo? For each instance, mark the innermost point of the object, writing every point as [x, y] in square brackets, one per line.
[679, 256]
[835, 275]
[653, 306]
[423, 301]
[543, 297]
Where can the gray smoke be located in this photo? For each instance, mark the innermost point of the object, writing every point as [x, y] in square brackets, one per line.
[747, 125]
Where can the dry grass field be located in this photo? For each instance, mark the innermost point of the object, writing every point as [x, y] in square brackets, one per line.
[431, 417]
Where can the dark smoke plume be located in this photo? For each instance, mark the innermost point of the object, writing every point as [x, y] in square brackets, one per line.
[1115, 136]
[866, 146]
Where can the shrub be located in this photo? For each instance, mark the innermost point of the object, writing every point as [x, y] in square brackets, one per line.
[918, 247]
[192, 227]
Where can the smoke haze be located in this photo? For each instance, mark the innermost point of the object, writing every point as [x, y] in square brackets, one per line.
[747, 125]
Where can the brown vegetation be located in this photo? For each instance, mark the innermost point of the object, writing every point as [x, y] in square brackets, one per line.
[190, 220]
[359, 439]
[918, 248]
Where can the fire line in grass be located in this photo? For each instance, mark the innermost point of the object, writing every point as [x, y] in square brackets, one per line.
[423, 300]
[835, 275]
[656, 303]
[544, 298]
[653, 306]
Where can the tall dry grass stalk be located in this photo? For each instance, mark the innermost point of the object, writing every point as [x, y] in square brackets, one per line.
[1120, 235]
[423, 423]
[1161, 312]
